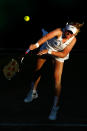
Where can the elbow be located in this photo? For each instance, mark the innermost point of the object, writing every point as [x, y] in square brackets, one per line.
[64, 54]
[61, 55]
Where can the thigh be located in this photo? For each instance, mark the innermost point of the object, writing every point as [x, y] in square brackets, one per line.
[40, 63]
[58, 69]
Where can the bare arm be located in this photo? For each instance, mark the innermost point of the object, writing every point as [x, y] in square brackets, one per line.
[66, 50]
[54, 33]
[57, 32]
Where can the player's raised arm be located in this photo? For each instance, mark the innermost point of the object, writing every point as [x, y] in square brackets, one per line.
[57, 32]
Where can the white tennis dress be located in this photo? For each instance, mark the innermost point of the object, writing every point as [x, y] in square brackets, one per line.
[57, 45]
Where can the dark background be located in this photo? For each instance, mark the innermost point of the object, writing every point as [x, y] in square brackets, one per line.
[16, 34]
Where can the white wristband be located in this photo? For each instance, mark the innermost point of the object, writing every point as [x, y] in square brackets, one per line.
[37, 45]
[49, 52]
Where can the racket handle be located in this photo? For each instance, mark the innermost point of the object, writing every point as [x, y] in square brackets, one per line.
[27, 51]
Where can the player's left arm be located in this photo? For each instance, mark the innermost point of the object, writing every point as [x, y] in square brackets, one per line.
[66, 50]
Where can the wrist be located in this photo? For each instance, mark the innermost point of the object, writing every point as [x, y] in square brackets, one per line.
[49, 52]
[37, 44]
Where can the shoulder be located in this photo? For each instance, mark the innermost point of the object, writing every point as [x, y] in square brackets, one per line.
[71, 44]
[74, 40]
[58, 31]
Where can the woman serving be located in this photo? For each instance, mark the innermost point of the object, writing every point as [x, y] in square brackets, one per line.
[57, 44]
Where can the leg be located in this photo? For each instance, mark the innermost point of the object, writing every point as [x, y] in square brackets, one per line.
[58, 68]
[32, 94]
[36, 77]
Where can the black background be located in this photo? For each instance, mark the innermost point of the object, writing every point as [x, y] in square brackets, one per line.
[15, 33]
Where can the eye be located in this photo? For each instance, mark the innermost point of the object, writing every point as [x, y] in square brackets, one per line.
[67, 33]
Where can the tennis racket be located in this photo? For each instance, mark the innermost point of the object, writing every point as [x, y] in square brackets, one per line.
[13, 66]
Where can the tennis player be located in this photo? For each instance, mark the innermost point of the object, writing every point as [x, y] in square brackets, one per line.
[58, 44]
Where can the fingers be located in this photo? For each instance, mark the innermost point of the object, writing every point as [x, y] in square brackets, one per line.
[42, 52]
[32, 47]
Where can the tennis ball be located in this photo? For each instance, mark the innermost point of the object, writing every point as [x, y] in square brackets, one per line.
[26, 18]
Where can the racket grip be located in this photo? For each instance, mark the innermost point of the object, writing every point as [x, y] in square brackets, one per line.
[27, 51]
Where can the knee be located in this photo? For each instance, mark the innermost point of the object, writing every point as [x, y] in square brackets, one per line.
[37, 69]
[37, 73]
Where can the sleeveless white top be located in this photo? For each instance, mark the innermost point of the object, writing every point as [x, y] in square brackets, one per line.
[57, 44]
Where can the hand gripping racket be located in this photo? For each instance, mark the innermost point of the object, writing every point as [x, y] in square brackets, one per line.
[27, 51]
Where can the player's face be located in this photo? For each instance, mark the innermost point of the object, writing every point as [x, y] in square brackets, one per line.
[68, 34]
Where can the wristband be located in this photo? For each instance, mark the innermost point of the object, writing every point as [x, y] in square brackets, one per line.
[37, 45]
[49, 52]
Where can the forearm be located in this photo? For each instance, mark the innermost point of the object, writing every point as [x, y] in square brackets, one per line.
[39, 42]
[42, 40]
[58, 54]
[56, 32]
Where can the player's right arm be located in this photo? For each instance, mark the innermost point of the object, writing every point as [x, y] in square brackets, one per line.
[55, 33]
